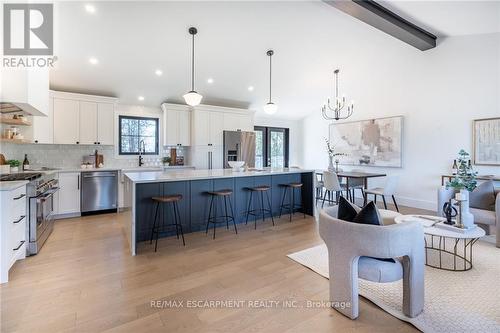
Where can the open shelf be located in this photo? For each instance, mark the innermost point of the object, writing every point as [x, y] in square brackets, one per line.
[10, 121]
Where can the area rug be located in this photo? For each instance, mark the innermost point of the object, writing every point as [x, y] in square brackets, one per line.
[454, 301]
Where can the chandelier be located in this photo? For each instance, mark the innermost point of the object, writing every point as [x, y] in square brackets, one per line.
[338, 110]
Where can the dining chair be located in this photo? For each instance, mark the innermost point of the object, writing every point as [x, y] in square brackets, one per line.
[332, 185]
[389, 189]
[319, 186]
[357, 184]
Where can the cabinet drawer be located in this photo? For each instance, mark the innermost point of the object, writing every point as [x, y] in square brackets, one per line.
[18, 194]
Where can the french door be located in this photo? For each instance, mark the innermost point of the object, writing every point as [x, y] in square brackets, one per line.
[271, 147]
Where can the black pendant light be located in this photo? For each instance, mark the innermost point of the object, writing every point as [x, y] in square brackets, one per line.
[270, 107]
[192, 97]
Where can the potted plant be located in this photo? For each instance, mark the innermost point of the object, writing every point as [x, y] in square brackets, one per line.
[166, 161]
[463, 183]
[14, 165]
[331, 155]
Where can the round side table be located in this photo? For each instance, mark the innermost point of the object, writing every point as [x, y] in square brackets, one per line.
[454, 244]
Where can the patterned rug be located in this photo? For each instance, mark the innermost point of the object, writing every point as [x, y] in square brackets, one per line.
[454, 301]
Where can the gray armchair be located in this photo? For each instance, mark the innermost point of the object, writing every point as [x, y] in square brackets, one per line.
[355, 250]
[487, 219]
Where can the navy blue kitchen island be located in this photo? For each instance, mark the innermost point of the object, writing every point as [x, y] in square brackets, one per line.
[194, 186]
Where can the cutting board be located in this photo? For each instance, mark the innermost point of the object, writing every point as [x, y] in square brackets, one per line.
[2, 160]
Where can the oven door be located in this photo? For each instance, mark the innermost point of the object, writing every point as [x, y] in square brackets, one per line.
[44, 211]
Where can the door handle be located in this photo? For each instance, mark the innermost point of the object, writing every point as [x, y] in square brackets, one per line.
[17, 248]
[20, 197]
[20, 219]
[78, 183]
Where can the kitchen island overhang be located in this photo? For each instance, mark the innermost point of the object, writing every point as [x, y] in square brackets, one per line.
[194, 185]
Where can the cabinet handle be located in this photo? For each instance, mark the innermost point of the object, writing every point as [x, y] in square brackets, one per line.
[20, 219]
[78, 142]
[20, 197]
[98, 143]
[36, 141]
[17, 248]
[95, 143]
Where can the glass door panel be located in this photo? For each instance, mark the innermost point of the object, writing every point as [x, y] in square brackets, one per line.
[259, 148]
[276, 148]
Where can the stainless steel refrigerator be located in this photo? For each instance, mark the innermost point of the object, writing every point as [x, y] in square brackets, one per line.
[239, 146]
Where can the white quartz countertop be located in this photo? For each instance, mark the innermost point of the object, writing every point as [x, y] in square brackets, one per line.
[12, 185]
[133, 169]
[180, 175]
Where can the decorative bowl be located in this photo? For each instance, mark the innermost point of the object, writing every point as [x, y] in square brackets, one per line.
[236, 165]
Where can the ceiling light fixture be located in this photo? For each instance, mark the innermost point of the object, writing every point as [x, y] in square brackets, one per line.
[90, 9]
[141, 98]
[158, 72]
[270, 107]
[192, 97]
[93, 60]
[339, 104]
[251, 88]
[210, 81]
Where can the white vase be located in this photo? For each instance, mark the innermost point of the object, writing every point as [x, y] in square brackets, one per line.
[14, 169]
[466, 215]
[331, 168]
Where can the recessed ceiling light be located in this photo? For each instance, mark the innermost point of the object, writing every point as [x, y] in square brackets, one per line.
[93, 60]
[90, 9]
[158, 72]
[141, 98]
[210, 81]
[250, 88]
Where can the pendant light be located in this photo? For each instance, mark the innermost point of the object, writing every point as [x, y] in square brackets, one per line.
[192, 97]
[270, 107]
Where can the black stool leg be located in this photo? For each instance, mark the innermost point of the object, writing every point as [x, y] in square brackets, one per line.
[283, 200]
[292, 202]
[262, 205]
[209, 212]
[270, 207]
[249, 205]
[385, 203]
[215, 216]
[225, 209]
[154, 223]
[175, 219]
[179, 225]
[232, 215]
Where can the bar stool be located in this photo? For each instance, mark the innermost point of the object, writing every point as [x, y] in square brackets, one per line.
[262, 210]
[215, 196]
[172, 199]
[292, 206]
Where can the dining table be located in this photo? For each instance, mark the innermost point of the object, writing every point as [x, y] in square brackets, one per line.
[349, 175]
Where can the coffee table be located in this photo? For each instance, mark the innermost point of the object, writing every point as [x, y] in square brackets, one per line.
[459, 251]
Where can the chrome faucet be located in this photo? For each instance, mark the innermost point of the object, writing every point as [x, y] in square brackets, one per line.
[142, 150]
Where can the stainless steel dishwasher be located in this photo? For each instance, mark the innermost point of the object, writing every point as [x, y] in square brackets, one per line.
[99, 191]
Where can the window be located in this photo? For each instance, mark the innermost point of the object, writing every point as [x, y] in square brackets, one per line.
[271, 147]
[138, 133]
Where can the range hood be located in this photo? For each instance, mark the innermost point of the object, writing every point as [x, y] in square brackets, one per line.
[16, 107]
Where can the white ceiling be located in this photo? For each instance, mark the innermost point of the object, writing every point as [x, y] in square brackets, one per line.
[133, 39]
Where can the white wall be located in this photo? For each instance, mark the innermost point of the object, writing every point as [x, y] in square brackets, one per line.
[295, 133]
[439, 92]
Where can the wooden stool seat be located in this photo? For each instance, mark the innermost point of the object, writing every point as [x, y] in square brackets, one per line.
[260, 188]
[168, 198]
[294, 185]
[221, 192]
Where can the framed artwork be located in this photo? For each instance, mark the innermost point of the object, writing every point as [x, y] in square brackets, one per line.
[486, 134]
[374, 142]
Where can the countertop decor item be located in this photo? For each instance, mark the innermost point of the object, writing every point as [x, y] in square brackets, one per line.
[192, 97]
[270, 107]
[237, 165]
[166, 160]
[14, 165]
[334, 112]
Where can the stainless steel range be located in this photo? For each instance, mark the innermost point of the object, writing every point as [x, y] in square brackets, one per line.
[40, 206]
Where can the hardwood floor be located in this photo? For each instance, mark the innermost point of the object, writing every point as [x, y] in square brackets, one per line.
[84, 280]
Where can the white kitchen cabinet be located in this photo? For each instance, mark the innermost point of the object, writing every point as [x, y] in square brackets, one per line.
[105, 123]
[66, 121]
[69, 193]
[88, 123]
[82, 119]
[237, 122]
[207, 128]
[216, 128]
[43, 127]
[13, 218]
[176, 126]
[207, 157]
